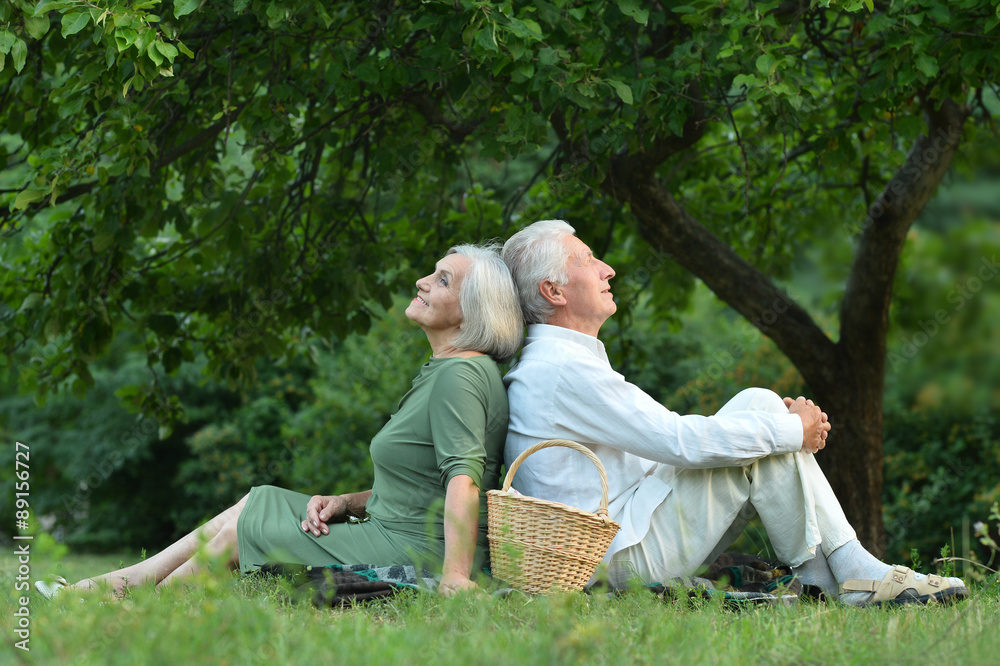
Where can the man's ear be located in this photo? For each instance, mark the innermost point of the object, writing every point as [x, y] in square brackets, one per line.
[552, 292]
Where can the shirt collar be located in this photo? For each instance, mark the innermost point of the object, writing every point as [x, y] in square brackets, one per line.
[588, 342]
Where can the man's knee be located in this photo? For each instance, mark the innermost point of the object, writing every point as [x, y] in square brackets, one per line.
[757, 400]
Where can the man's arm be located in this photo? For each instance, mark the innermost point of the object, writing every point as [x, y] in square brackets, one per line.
[595, 404]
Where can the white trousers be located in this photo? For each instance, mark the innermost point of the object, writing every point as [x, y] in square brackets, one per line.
[707, 509]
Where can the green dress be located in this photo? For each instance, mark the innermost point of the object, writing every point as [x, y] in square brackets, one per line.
[452, 421]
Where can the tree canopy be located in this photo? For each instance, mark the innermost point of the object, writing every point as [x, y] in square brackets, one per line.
[240, 179]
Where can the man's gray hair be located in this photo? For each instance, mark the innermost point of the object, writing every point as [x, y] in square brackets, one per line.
[491, 316]
[534, 254]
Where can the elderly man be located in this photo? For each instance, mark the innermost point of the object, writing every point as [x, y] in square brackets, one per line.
[682, 487]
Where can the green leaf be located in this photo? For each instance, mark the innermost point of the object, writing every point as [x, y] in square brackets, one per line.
[748, 80]
[164, 325]
[31, 302]
[46, 6]
[128, 391]
[125, 37]
[154, 54]
[7, 40]
[185, 7]
[368, 72]
[19, 54]
[172, 360]
[624, 92]
[766, 64]
[36, 26]
[928, 65]
[168, 50]
[486, 39]
[53, 327]
[29, 196]
[103, 241]
[74, 22]
[634, 9]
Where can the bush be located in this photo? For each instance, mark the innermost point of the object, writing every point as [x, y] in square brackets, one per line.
[940, 478]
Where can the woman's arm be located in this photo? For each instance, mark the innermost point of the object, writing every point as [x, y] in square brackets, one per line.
[461, 527]
[323, 509]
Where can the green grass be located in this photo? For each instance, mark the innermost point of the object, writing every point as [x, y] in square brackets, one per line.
[224, 620]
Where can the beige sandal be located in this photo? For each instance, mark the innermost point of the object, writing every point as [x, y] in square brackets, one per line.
[899, 586]
[50, 588]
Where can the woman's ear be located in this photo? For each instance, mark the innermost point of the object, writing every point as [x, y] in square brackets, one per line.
[552, 292]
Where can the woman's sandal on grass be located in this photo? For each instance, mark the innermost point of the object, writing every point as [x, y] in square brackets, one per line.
[900, 586]
[50, 588]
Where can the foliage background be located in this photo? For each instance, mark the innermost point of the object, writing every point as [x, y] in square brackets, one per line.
[307, 426]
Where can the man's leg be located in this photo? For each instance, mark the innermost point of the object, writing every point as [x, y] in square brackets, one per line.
[704, 512]
[797, 506]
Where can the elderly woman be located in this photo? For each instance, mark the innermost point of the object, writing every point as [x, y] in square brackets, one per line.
[433, 460]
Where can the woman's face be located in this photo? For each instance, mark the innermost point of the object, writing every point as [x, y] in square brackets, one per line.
[436, 308]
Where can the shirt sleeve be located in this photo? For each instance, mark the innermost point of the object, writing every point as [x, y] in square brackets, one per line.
[458, 414]
[599, 406]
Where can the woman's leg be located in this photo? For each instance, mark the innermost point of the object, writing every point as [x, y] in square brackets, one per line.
[219, 534]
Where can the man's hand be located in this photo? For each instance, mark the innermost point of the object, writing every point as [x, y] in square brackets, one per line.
[323, 509]
[815, 423]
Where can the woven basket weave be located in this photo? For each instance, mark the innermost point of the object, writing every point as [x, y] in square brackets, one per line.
[538, 546]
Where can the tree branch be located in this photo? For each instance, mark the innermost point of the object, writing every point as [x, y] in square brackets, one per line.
[667, 225]
[865, 308]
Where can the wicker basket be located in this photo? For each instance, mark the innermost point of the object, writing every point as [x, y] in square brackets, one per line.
[539, 546]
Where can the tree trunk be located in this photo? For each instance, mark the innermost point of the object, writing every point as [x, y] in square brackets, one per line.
[852, 460]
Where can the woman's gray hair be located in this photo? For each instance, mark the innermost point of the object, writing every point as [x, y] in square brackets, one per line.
[535, 254]
[491, 315]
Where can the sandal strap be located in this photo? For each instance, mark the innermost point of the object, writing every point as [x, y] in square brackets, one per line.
[894, 583]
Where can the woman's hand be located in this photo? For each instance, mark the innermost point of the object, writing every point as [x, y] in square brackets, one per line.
[461, 526]
[323, 509]
[452, 583]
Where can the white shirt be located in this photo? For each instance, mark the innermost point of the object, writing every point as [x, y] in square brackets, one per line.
[563, 386]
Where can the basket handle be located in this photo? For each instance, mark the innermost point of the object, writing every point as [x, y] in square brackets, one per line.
[603, 510]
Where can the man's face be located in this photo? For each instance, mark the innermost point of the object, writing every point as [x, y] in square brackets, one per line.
[589, 301]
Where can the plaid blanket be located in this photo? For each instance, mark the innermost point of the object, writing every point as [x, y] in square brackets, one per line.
[737, 578]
